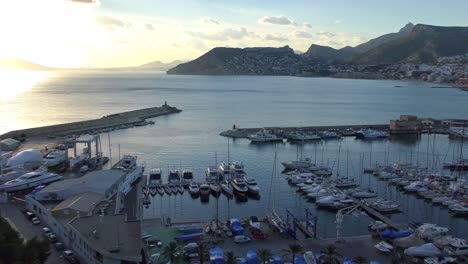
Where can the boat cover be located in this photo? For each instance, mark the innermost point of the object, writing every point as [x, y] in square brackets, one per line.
[395, 234]
[216, 255]
[252, 257]
[236, 228]
[299, 259]
[29, 156]
[426, 250]
[241, 261]
[275, 259]
[409, 241]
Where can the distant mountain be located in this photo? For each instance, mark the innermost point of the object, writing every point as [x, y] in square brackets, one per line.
[328, 54]
[255, 61]
[17, 63]
[160, 66]
[424, 44]
[373, 43]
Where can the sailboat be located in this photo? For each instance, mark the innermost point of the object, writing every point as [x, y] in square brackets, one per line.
[275, 221]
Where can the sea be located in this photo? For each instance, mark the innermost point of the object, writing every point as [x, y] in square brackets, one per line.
[212, 104]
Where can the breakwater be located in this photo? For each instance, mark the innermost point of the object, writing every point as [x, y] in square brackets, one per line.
[281, 131]
[109, 121]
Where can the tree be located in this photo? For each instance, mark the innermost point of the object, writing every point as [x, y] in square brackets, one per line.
[171, 251]
[360, 260]
[264, 255]
[202, 252]
[13, 250]
[230, 258]
[331, 255]
[292, 250]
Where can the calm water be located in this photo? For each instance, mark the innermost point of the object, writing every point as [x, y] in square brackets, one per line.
[212, 104]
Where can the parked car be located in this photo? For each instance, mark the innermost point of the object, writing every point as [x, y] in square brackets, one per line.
[59, 246]
[29, 215]
[241, 239]
[46, 231]
[52, 238]
[68, 255]
[35, 221]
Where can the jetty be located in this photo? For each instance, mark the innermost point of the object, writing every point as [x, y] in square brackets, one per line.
[374, 213]
[112, 121]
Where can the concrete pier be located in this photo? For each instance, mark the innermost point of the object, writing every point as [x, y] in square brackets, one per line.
[281, 131]
[109, 121]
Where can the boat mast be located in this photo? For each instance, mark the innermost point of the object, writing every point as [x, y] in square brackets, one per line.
[338, 163]
[270, 193]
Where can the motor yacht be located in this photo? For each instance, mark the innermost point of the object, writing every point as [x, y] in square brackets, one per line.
[361, 194]
[215, 189]
[154, 177]
[252, 185]
[205, 189]
[298, 164]
[237, 169]
[329, 134]
[368, 133]
[302, 136]
[30, 180]
[173, 177]
[187, 176]
[54, 158]
[227, 188]
[264, 136]
[345, 182]
[239, 186]
[224, 170]
[211, 174]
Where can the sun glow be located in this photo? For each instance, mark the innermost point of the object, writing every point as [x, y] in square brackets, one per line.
[15, 82]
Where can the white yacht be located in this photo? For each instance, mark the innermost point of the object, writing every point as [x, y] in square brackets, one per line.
[298, 164]
[215, 189]
[360, 194]
[239, 186]
[30, 180]
[154, 177]
[194, 189]
[329, 134]
[252, 185]
[237, 169]
[224, 170]
[205, 189]
[264, 136]
[345, 182]
[368, 133]
[302, 136]
[54, 158]
[226, 187]
[211, 174]
[173, 177]
[187, 176]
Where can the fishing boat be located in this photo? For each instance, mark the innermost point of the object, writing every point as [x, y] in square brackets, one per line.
[205, 189]
[239, 186]
[252, 185]
[194, 189]
[227, 188]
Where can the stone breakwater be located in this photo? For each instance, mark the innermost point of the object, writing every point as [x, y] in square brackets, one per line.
[109, 121]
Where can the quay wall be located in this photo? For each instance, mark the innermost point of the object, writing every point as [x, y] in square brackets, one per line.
[125, 118]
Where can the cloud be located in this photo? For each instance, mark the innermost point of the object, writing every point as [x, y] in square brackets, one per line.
[112, 23]
[276, 37]
[302, 34]
[223, 35]
[149, 26]
[306, 25]
[277, 20]
[86, 1]
[338, 21]
[326, 34]
[209, 20]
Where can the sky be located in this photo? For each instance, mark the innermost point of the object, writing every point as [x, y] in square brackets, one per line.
[118, 33]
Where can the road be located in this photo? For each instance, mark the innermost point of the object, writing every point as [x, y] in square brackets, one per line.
[13, 212]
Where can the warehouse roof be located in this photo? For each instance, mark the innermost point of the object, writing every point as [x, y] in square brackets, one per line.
[83, 202]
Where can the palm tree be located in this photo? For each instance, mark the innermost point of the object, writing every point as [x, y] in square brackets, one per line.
[292, 250]
[360, 260]
[202, 252]
[171, 251]
[331, 255]
[230, 258]
[264, 255]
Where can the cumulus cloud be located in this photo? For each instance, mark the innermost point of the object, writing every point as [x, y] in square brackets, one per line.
[277, 20]
[223, 35]
[302, 34]
[111, 22]
[326, 34]
[276, 37]
[306, 25]
[209, 20]
[338, 21]
[149, 26]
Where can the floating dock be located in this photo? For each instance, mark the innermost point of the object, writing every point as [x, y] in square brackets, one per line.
[374, 214]
[129, 118]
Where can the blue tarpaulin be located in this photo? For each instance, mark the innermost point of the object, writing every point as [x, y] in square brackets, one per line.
[395, 234]
[299, 259]
[236, 227]
[275, 259]
[252, 257]
[216, 255]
